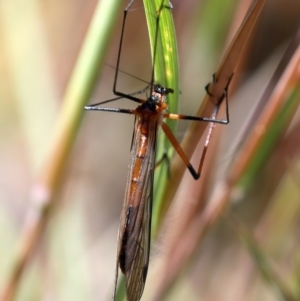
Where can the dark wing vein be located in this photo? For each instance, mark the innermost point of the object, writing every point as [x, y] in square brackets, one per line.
[136, 276]
[137, 244]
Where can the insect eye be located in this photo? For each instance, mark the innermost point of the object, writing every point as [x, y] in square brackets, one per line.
[154, 99]
[158, 89]
[162, 90]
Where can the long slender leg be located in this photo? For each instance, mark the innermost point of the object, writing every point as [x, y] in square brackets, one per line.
[207, 119]
[131, 97]
[111, 110]
[212, 119]
[225, 93]
[195, 173]
[156, 38]
[154, 49]
[117, 98]
[195, 118]
[162, 159]
[165, 158]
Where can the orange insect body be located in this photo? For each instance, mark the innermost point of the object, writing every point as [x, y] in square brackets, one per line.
[134, 234]
[135, 222]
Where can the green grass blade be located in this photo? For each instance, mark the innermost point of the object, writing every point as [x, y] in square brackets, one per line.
[78, 92]
[166, 73]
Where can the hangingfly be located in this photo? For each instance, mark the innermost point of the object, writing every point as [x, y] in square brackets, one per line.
[135, 222]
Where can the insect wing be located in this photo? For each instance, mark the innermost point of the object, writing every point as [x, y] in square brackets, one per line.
[135, 224]
[135, 277]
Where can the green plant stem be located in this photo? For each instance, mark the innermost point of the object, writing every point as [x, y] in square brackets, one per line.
[166, 72]
[78, 92]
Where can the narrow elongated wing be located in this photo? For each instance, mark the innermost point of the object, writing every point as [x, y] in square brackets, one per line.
[135, 224]
[135, 276]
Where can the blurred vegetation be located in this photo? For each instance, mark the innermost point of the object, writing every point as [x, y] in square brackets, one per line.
[252, 253]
